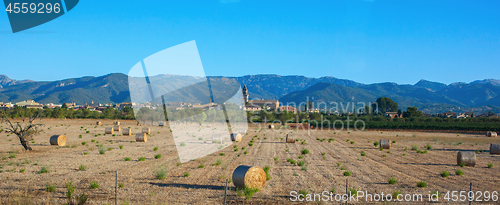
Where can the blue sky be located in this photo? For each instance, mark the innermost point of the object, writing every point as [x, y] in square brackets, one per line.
[366, 41]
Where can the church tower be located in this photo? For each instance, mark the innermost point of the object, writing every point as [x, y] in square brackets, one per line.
[245, 93]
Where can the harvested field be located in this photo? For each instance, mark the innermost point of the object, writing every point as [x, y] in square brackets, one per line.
[204, 184]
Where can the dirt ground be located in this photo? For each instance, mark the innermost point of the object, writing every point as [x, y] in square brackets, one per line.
[21, 184]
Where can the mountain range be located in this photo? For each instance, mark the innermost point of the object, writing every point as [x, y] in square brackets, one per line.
[432, 97]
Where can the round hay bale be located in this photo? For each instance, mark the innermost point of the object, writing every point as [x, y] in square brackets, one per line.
[109, 130]
[466, 157]
[493, 134]
[141, 137]
[117, 123]
[494, 148]
[127, 131]
[249, 176]
[236, 137]
[98, 123]
[271, 126]
[59, 140]
[385, 144]
[117, 128]
[290, 138]
[146, 131]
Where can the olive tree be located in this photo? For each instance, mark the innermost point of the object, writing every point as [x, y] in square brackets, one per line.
[24, 129]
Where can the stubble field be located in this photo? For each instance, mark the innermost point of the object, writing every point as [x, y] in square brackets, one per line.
[323, 168]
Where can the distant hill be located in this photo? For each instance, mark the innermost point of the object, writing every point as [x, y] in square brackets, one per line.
[112, 88]
[404, 95]
[482, 95]
[431, 86]
[6, 81]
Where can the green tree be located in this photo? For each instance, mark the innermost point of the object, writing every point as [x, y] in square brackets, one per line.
[385, 104]
[284, 116]
[412, 112]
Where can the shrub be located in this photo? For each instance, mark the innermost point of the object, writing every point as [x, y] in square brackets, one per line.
[142, 159]
[183, 144]
[428, 147]
[347, 173]
[22, 170]
[392, 181]
[84, 143]
[94, 185]
[353, 192]
[127, 159]
[322, 153]
[155, 149]
[222, 154]
[201, 166]
[462, 164]
[352, 142]
[158, 156]
[249, 192]
[85, 153]
[395, 194]
[82, 167]
[421, 184]
[50, 188]
[301, 163]
[304, 192]
[102, 151]
[305, 151]
[421, 151]
[414, 147]
[250, 144]
[186, 174]
[459, 172]
[217, 162]
[375, 144]
[490, 165]
[121, 185]
[445, 173]
[43, 170]
[338, 164]
[12, 155]
[92, 140]
[121, 147]
[292, 161]
[300, 157]
[363, 153]
[266, 169]
[245, 152]
[304, 168]
[343, 168]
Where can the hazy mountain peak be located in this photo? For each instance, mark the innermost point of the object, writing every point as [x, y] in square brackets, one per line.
[6, 81]
[431, 86]
[486, 81]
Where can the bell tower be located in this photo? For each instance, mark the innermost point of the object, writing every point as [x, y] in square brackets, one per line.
[245, 93]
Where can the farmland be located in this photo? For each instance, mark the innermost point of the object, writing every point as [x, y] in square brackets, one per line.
[413, 157]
